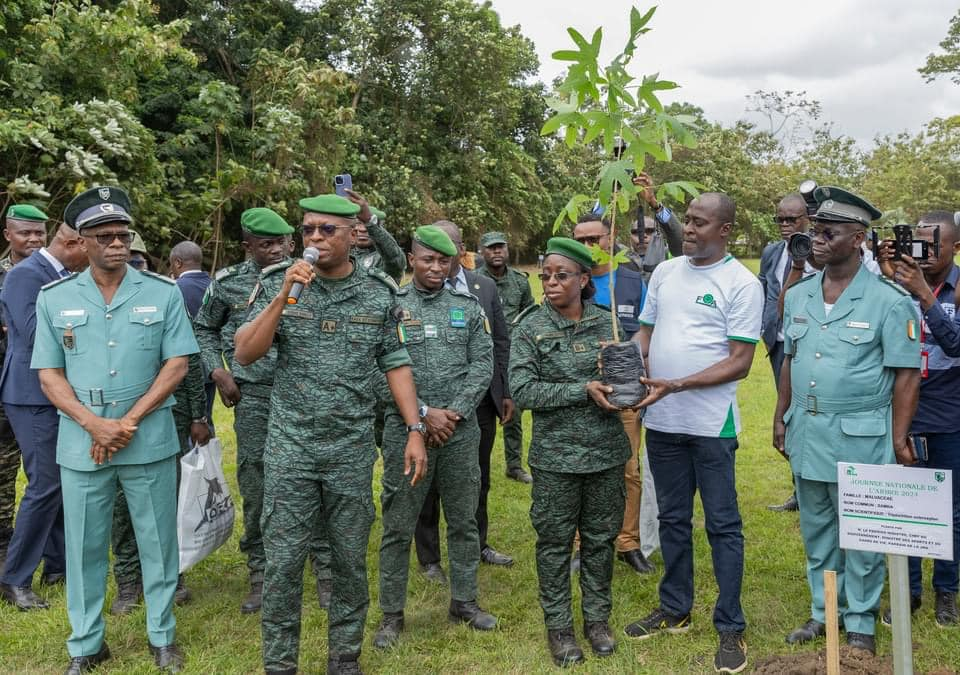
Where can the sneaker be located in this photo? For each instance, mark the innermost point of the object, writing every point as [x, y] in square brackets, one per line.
[915, 602]
[732, 654]
[658, 621]
[945, 609]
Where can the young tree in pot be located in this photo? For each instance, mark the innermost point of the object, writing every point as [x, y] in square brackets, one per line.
[608, 109]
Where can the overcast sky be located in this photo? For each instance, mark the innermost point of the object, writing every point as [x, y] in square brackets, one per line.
[859, 58]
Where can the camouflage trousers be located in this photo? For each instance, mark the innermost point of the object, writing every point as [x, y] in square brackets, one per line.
[295, 499]
[563, 503]
[9, 467]
[513, 441]
[455, 469]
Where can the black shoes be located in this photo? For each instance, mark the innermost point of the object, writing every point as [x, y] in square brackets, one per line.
[862, 641]
[563, 647]
[254, 599]
[732, 654]
[168, 658]
[53, 579]
[344, 664]
[324, 592]
[492, 557]
[518, 474]
[637, 561]
[469, 612]
[22, 597]
[129, 596]
[658, 621]
[789, 505]
[600, 637]
[182, 594]
[82, 664]
[434, 572]
[389, 631]
[811, 630]
[915, 602]
[945, 609]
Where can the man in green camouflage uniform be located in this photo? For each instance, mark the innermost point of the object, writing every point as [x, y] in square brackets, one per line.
[577, 452]
[26, 232]
[447, 336]
[376, 247]
[319, 454]
[513, 287]
[224, 308]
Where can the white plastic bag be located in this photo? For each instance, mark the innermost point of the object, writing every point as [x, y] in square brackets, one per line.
[205, 510]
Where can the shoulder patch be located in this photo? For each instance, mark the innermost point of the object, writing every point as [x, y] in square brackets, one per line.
[225, 272]
[282, 265]
[154, 275]
[57, 282]
[525, 313]
[383, 278]
[892, 284]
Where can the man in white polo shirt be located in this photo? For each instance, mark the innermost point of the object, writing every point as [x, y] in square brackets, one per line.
[699, 328]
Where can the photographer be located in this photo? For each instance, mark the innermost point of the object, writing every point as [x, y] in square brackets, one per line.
[932, 284]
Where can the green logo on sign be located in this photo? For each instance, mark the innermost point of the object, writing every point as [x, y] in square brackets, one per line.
[940, 476]
[851, 471]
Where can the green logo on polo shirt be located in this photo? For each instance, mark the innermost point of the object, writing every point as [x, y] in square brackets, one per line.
[707, 300]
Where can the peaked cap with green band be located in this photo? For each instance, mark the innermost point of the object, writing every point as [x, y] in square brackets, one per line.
[332, 205]
[435, 239]
[136, 244]
[96, 206]
[492, 239]
[27, 212]
[264, 222]
[570, 248]
[837, 205]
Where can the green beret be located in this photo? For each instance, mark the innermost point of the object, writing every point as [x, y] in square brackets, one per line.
[96, 206]
[492, 239]
[570, 248]
[435, 239]
[381, 215]
[333, 205]
[837, 205]
[264, 222]
[136, 244]
[26, 212]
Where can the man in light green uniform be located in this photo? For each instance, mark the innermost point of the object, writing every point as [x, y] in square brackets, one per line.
[848, 393]
[111, 346]
[448, 338]
[513, 288]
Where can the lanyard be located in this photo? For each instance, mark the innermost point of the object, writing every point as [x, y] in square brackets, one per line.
[924, 354]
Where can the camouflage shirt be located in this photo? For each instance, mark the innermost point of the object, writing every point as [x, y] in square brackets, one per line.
[331, 346]
[551, 360]
[514, 291]
[223, 309]
[448, 338]
[385, 254]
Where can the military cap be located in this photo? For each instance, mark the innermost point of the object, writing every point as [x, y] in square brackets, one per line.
[96, 206]
[837, 205]
[570, 248]
[136, 244]
[26, 212]
[492, 239]
[381, 215]
[435, 239]
[264, 222]
[333, 205]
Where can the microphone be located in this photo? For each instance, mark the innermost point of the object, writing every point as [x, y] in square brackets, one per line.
[310, 255]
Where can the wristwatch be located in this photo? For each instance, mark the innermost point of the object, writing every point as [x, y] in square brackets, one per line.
[422, 411]
[419, 426]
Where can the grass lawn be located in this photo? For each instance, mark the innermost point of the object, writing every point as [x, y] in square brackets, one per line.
[218, 639]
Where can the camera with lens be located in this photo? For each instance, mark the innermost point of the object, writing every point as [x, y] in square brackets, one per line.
[800, 244]
[905, 245]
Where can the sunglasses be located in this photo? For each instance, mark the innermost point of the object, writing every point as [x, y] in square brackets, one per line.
[787, 220]
[107, 238]
[561, 277]
[589, 241]
[827, 233]
[649, 230]
[326, 229]
[138, 264]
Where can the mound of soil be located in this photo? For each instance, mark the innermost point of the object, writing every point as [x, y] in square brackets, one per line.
[852, 662]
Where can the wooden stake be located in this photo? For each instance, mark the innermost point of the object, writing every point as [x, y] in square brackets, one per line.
[833, 633]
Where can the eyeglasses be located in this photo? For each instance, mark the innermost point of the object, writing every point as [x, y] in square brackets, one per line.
[589, 241]
[788, 220]
[107, 238]
[326, 229]
[561, 277]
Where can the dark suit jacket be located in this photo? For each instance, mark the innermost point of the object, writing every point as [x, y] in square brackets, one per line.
[486, 291]
[770, 324]
[193, 286]
[18, 384]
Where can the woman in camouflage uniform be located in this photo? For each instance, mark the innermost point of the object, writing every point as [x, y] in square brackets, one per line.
[578, 448]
